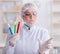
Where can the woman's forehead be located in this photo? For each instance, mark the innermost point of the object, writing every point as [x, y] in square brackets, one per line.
[30, 10]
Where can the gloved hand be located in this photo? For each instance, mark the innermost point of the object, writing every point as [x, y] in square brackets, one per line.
[43, 47]
[13, 39]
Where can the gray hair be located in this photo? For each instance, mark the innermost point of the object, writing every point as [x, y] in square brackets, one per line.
[27, 6]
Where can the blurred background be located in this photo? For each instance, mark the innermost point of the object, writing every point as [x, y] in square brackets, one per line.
[49, 18]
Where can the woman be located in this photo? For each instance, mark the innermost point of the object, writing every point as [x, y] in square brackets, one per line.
[31, 39]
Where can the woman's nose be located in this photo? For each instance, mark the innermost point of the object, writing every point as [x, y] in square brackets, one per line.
[31, 16]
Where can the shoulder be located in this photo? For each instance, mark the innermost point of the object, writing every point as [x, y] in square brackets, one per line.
[44, 30]
[41, 29]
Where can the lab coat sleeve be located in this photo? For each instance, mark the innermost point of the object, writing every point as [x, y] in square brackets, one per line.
[44, 37]
[8, 49]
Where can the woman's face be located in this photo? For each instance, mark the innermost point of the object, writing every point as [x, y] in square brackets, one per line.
[30, 15]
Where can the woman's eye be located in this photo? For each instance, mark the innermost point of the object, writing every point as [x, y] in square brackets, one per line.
[34, 14]
[27, 14]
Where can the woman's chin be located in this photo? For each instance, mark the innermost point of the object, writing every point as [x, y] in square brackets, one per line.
[31, 22]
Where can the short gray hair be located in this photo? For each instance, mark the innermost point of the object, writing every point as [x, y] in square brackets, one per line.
[27, 6]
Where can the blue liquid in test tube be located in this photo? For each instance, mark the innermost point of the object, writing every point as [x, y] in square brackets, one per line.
[10, 30]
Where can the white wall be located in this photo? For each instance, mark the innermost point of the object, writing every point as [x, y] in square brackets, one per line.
[45, 14]
[0, 27]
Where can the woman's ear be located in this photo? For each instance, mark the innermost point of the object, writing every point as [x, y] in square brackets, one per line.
[23, 18]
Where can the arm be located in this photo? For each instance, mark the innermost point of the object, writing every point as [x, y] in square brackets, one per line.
[8, 49]
[44, 42]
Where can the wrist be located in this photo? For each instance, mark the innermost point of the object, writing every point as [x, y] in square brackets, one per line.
[41, 52]
[11, 44]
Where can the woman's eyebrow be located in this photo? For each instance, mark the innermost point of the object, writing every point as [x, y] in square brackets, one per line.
[27, 13]
[30, 12]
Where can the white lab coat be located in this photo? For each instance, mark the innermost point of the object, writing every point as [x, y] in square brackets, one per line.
[27, 41]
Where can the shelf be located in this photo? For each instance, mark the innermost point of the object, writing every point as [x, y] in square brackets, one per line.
[56, 9]
[55, 31]
[56, 39]
[56, 13]
[10, 0]
[9, 6]
[56, 36]
[56, 26]
[9, 12]
[56, 1]
[56, 20]
[56, 23]
[56, 43]
[2, 45]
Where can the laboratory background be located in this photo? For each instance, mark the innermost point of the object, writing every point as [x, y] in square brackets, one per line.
[49, 18]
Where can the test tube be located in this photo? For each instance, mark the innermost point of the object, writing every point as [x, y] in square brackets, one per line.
[14, 28]
[10, 30]
[18, 27]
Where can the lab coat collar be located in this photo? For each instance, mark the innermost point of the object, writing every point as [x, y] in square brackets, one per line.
[29, 26]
